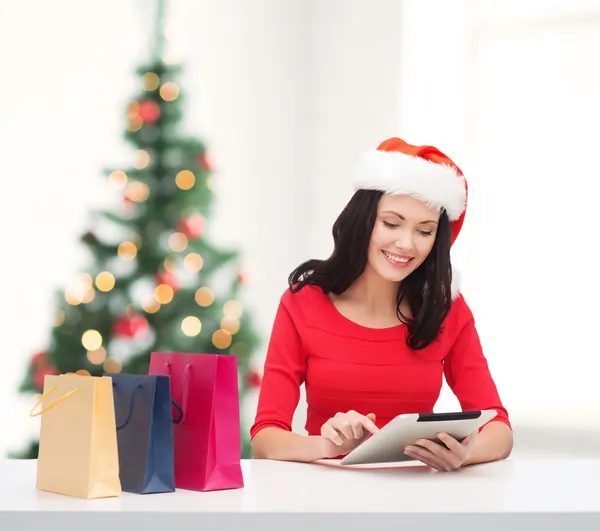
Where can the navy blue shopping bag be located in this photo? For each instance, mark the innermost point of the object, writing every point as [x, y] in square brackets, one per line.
[144, 432]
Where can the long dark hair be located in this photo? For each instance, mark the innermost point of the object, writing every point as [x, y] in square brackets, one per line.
[427, 289]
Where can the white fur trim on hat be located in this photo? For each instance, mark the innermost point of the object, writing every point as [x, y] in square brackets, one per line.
[440, 185]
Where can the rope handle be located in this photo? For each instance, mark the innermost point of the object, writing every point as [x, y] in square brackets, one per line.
[186, 389]
[131, 404]
[57, 401]
[180, 418]
[126, 421]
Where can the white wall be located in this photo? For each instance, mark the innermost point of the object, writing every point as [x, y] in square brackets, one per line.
[63, 85]
[288, 94]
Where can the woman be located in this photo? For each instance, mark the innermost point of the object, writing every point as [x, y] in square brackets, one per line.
[373, 329]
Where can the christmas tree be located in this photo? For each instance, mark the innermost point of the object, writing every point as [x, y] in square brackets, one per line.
[155, 281]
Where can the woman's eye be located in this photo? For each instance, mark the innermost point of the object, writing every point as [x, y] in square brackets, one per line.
[389, 225]
[426, 232]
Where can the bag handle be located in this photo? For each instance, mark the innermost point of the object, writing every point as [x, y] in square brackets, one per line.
[57, 401]
[131, 402]
[186, 388]
[130, 413]
[180, 418]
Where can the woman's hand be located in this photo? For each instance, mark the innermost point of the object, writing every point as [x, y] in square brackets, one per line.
[345, 431]
[454, 456]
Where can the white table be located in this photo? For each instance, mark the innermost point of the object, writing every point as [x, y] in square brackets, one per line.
[515, 494]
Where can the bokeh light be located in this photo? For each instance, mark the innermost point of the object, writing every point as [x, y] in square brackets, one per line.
[221, 339]
[178, 242]
[112, 365]
[105, 281]
[164, 293]
[91, 340]
[96, 356]
[193, 262]
[185, 179]
[117, 180]
[150, 81]
[127, 251]
[169, 91]
[233, 309]
[204, 297]
[191, 326]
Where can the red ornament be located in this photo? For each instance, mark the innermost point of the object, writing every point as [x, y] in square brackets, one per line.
[130, 326]
[40, 374]
[192, 226]
[243, 277]
[253, 379]
[149, 111]
[205, 162]
[164, 277]
[39, 360]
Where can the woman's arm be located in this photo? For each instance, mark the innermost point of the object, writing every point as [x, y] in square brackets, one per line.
[468, 375]
[339, 436]
[283, 445]
[493, 442]
[284, 372]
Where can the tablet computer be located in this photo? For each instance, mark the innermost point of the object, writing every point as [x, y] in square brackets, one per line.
[387, 445]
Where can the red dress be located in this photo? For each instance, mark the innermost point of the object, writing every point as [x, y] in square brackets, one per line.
[346, 366]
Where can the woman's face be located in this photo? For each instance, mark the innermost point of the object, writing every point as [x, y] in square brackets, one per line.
[402, 237]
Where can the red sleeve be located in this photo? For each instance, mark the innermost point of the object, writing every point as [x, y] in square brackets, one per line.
[284, 373]
[468, 375]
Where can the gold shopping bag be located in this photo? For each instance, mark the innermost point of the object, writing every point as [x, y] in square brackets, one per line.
[78, 454]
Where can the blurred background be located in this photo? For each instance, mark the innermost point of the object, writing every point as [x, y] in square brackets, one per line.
[287, 94]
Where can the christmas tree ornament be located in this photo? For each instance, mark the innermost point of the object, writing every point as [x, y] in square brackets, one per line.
[40, 374]
[149, 111]
[253, 379]
[167, 278]
[39, 360]
[192, 226]
[130, 326]
[204, 161]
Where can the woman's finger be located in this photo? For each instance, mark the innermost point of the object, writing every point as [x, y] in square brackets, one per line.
[435, 448]
[368, 423]
[426, 457]
[451, 458]
[343, 426]
[451, 443]
[357, 428]
[331, 433]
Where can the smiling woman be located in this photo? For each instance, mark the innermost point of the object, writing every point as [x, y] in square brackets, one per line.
[373, 329]
[399, 244]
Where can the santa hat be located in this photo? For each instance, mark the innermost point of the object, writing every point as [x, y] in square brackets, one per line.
[424, 172]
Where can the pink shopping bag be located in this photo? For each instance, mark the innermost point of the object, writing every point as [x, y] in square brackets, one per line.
[207, 438]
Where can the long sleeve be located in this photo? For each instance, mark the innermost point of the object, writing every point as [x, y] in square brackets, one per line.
[284, 373]
[468, 375]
